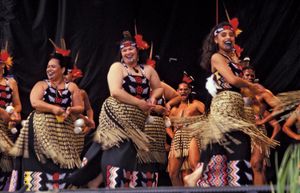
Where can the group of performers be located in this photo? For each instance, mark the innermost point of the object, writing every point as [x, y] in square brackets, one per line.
[223, 144]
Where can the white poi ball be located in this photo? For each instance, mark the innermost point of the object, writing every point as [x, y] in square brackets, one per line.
[13, 130]
[9, 109]
[168, 122]
[79, 123]
[77, 130]
[23, 122]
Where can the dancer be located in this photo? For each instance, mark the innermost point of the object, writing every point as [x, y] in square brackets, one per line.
[47, 142]
[257, 110]
[123, 115]
[184, 153]
[225, 134]
[150, 164]
[10, 108]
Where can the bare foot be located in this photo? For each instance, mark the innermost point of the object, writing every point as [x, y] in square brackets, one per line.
[191, 179]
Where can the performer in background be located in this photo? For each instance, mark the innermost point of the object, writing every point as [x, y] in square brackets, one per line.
[151, 163]
[185, 151]
[10, 108]
[255, 110]
[292, 126]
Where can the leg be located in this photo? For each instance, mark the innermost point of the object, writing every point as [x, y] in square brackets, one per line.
[258, 167]
[194, 154]
[174, 171]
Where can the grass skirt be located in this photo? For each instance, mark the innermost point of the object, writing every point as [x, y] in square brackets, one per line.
[119, 122]
[52, 140]
[227, 114]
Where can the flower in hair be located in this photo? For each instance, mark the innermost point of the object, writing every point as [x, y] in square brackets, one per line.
[234, 22]
[6, 59]
[76, 73]
[140, 43]
[238, 50]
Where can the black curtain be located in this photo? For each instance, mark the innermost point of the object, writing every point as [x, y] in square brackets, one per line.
[270, 37]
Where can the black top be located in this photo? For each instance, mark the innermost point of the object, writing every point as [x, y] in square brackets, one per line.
[138, 86]
[62, 97]
[5, 95]
[220, 80]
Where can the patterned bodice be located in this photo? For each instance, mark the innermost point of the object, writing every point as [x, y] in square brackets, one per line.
[138, 86]
[221, 81]
[62, 98]
[5, 95]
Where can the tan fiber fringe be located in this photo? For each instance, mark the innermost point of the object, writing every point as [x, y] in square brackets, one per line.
[5, 145]
[5, 137]
[53, 140]
[250, 116]
[157, 152]
[288, 102]
[227, 114]
[181, 142]
[130, 125]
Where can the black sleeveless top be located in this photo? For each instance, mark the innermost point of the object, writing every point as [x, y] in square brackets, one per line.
[5, 95]
[138, 86]
[220, 80]
[62, 98]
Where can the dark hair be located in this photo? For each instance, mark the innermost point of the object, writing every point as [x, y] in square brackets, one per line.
[127, 37]
[5, 71]
[248, 68]
[209, 47]
[64, 61]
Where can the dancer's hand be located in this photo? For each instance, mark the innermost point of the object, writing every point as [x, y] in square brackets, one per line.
[159, 110]
[145, 106]
[5, 116]
[56, 110]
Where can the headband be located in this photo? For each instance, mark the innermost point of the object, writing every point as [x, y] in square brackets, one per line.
[127, 43]
[220, 29]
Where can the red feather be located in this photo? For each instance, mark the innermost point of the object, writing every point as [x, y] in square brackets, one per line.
[151, 62]
[62, 51]
[76, 73]
[4, 55]
[234, 22]
[140, 43]
[186, 78]
[238, 50]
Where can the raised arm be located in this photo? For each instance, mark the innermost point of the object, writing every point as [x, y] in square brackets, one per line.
[171, 96]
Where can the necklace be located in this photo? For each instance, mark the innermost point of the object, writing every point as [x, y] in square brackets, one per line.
[58, 94]
[135, 68]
